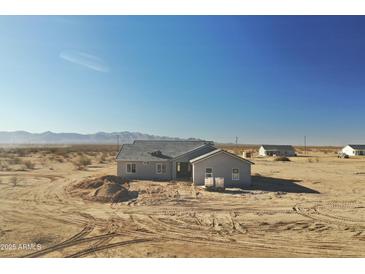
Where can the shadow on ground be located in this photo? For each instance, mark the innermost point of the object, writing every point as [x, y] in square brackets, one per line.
[277, 184]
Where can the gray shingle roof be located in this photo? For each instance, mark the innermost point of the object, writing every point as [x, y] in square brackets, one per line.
[209, 154]
[278, 147]
[148, 151]
[358, 147]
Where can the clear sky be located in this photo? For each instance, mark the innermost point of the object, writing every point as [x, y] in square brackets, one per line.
[265, 79]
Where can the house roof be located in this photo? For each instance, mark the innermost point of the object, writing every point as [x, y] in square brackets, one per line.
[148, 151]
[357, 147]
[217, 151]
[278, 147]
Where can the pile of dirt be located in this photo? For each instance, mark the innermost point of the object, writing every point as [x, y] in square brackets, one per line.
[106, 189]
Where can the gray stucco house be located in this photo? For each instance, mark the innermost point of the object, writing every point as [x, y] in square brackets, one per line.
[235, 170]
[159, 160]
[181, 160]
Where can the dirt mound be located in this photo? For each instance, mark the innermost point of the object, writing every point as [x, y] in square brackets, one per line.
[106, 189]
[97, 182]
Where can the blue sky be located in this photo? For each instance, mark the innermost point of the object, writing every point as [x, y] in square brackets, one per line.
[265, 79]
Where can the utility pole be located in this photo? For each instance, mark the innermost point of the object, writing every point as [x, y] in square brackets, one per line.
[117, 142]
[236, 140]
[305, 145]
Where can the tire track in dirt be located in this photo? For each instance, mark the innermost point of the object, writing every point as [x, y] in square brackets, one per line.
[69, 244]
[108, 246]
[209, 238]
[51, 177]
[316, 211]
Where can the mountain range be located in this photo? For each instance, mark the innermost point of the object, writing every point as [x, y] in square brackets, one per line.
[48, 137]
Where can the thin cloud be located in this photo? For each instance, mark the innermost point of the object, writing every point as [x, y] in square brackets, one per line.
[84, 59]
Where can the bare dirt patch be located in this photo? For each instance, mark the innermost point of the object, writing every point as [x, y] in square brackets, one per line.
[293, 209]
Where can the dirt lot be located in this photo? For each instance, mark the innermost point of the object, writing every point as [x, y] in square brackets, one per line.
[308, 207]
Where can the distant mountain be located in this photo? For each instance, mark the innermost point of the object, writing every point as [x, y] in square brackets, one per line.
[48, 137]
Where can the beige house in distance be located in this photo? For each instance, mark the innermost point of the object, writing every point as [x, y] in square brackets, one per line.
[277, 150]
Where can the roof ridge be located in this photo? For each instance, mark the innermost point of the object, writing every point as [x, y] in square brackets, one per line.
[141, 140]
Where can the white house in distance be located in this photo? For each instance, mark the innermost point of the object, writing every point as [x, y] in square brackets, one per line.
[354, 150]
[277, 150]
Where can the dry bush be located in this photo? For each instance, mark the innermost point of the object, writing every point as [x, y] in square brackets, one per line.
[29, 165]
[3, 153]
[282, 159]
[59, 159]
[313, 160]
[21, 153]
[52, 158]
[91, 153]
[103, 157]
[14, 181]
[82, 162]
[14, 161]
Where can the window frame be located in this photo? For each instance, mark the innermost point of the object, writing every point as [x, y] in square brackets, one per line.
[163, 168]
[211, 173]
[131, 168]
[235, 176]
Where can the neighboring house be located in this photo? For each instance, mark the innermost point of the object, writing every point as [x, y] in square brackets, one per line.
[354, 150]
[277, 150]
[159, 160]
[235, 170]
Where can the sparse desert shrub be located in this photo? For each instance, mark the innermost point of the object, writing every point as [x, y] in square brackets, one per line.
[91, 153]
[29, 165]
[82, 162]
[103, 158]
[21, 152]
[4, 167]
[313, 160]
[282, 159]
[15, 161]
[14, 181]
[59, 159]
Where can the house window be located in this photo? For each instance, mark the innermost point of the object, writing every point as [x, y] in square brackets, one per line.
[178, 167]
[235, 174]
[160, 168]
[208, 172]
[131, 168]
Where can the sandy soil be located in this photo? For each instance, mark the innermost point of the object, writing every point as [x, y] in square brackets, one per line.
[302, 208]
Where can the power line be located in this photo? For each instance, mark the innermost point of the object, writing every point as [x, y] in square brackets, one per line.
[305, 145]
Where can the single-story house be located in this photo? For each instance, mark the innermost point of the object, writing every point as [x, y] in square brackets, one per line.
[184, 160]
[235, 170]
[277, 150]
[159, 160]
[354, 150]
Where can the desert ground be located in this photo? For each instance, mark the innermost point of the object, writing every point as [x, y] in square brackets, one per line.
[53, 203]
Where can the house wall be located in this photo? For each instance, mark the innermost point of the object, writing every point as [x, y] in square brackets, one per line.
[222, 165]
[281, 152]
[189, 156]
[262, 151]
[351, 152]
[144, 171]
[348, 150]
[289, 153]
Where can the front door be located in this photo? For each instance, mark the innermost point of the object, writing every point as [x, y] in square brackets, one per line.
[183, 170]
